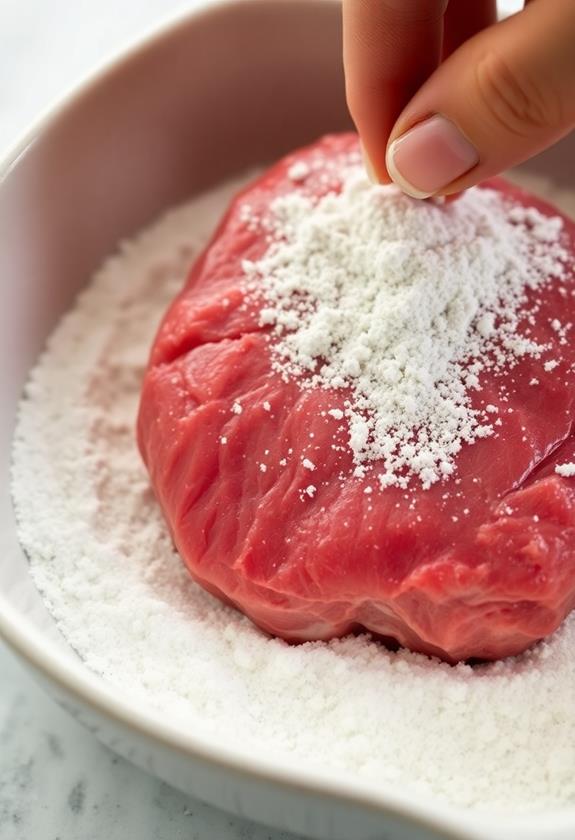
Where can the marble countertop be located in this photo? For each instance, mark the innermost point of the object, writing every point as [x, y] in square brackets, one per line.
[56, 781]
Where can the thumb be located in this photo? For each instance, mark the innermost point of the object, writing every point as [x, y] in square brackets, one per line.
[503, 96]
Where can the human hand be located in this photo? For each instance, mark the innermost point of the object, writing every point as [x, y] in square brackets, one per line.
[443, 96]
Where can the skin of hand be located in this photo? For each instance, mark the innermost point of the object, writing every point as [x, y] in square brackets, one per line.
[443, 96]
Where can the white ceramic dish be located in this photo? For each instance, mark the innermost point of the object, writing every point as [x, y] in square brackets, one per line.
[230, 86]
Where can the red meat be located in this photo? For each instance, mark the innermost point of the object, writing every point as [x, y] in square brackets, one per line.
[315, 566]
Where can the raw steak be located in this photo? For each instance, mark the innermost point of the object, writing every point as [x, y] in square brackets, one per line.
[483, 564]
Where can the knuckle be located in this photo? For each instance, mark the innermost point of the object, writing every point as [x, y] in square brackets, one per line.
[513, 100]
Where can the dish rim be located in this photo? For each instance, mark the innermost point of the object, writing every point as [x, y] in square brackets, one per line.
[86, 687]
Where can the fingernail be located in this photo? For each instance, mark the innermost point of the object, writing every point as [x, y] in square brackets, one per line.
[430, 156]
[368, 166]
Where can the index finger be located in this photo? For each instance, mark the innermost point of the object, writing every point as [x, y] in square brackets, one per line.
[390, 47]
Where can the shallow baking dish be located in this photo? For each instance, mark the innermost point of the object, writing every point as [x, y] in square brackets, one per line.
[213, 93]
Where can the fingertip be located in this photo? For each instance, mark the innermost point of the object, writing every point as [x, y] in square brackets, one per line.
[368, 165]
[375, 175]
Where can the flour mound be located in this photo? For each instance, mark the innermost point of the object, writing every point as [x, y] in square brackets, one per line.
[406, 303]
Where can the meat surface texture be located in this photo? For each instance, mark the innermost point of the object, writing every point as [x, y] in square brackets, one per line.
[481, 564]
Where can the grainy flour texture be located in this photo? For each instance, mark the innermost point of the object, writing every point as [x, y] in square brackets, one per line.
[365, 291]
[499, 735]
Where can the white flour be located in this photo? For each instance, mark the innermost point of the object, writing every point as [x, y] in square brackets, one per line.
[502, 735]
[365, 291]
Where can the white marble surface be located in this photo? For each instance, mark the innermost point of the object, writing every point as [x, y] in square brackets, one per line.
[56, 781]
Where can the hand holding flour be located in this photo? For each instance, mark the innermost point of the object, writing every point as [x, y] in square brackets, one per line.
[444, 97]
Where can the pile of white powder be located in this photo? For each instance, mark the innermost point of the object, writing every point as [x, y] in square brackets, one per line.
[501, 735]
[367, 292]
